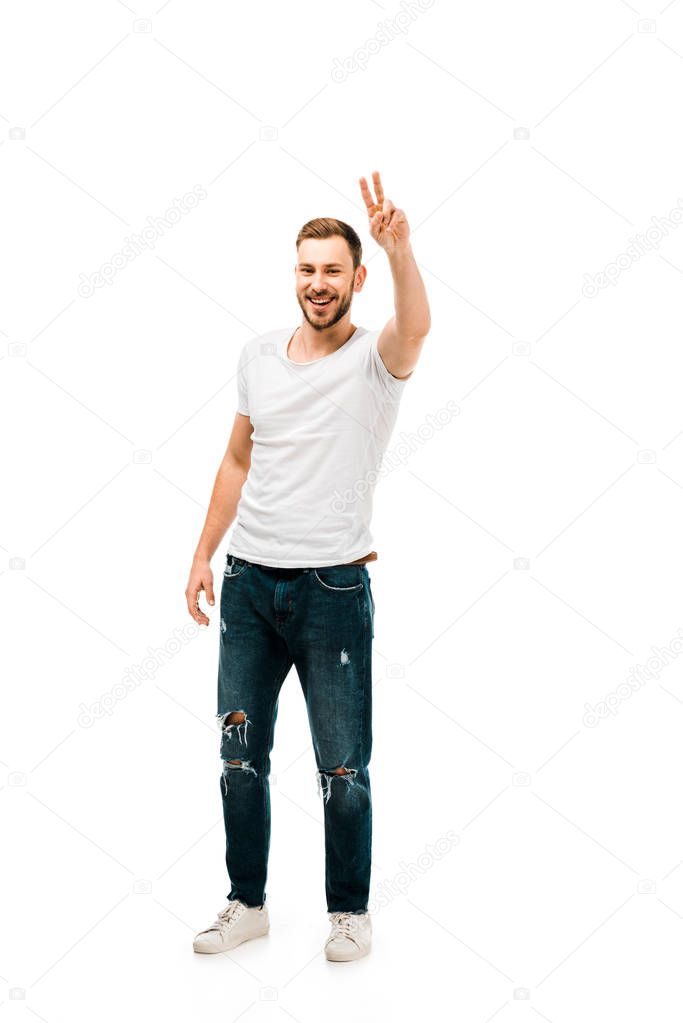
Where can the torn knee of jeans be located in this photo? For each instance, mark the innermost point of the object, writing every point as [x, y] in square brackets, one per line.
[239, 766]
[235, 719]
[325, 776]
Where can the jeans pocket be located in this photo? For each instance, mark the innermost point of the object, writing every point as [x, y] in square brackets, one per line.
[339, 578]
[372, 608]
[234, 567]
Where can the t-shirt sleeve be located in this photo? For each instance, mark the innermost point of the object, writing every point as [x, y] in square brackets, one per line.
[242, 383]
[389, 386]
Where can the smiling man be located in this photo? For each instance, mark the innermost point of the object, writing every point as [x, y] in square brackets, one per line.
[316, 409]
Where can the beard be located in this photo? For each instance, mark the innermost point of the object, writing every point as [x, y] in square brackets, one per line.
[340, 308]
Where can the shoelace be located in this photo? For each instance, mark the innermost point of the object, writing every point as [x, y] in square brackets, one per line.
[344, 926]
[226, 916]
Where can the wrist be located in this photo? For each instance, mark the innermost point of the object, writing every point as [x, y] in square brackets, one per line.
[401, 252]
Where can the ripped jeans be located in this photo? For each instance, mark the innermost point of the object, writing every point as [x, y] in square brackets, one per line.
[321, 620]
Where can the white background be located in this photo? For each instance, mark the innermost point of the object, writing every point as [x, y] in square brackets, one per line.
[528, 143]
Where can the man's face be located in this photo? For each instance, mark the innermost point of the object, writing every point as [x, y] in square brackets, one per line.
[324, 271]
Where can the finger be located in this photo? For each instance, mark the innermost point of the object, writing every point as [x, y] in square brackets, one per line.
[194, 608]
[370, 203]
[379, 191]
[367, 197]
[200, 618]
[396, 215]
[388, 210]
[209, 591]
[199, 615]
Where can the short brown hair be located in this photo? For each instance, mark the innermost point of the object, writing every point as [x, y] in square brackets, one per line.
[328, 227]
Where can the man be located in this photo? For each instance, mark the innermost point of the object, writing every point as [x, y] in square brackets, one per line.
[316, 409]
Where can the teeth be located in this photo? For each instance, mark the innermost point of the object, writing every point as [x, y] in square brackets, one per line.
[320, 301]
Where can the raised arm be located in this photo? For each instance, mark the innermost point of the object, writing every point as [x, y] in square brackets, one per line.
[401, 340]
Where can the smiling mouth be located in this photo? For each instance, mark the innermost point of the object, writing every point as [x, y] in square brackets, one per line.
[320, 303]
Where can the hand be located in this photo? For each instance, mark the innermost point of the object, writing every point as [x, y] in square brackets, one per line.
[388, 226]
[201, 578]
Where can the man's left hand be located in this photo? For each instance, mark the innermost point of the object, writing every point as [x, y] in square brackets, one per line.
[388, 225]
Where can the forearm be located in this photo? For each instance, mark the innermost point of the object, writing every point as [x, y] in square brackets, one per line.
[222, 507]
[410, 297]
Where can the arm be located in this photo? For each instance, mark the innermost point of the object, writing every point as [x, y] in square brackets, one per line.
[230, 478]
[401, 340]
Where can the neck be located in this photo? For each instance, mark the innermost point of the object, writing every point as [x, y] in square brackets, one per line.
[311, 343]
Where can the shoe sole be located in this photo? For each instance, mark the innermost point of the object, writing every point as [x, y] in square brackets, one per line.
[228, 948]
[345, 959]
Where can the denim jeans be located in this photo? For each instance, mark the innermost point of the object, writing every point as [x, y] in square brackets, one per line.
[321, 620]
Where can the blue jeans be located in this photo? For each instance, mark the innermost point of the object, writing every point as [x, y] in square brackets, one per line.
[321, 620]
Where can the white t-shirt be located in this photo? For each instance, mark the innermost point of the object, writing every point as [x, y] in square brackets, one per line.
[320, 429]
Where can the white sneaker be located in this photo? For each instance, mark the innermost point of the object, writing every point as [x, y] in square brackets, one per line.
[234, 924]
[349, 938]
